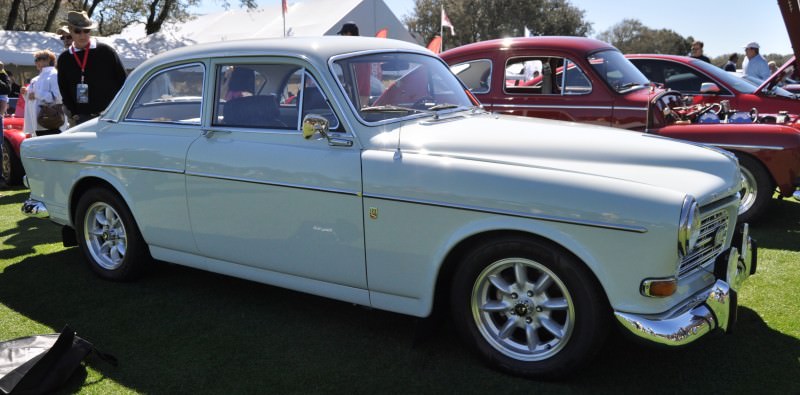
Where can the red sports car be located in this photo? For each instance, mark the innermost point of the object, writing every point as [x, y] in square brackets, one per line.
[525, 76]
[707, 83]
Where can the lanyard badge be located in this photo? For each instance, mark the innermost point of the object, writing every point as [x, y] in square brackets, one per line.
[82, 89]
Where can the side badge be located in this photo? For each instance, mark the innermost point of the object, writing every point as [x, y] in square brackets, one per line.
[373, 212]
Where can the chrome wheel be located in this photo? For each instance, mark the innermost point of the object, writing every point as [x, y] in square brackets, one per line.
[749, 191]
[522, 309]
[105, 236]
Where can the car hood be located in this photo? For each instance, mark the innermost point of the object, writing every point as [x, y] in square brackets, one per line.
[791, 18]
[704, 172]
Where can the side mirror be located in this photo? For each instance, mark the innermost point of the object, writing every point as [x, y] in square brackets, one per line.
[313, 124]
[709, 87]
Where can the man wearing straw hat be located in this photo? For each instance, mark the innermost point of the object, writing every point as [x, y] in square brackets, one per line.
[90, 73]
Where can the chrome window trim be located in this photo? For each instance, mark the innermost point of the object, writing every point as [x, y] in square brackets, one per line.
[567, 60]
[489, 82]
[140, 87]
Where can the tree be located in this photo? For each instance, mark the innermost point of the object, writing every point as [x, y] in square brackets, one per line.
[112, 15]
[631, 36]
[478, 20]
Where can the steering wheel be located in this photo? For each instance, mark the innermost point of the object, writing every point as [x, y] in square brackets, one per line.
[665, 101]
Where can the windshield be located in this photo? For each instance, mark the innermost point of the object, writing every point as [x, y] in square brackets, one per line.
[389, 86]
[738, 84]
[617, 71]
[743, 84]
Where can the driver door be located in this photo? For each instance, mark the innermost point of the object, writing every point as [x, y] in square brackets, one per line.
[265, 201]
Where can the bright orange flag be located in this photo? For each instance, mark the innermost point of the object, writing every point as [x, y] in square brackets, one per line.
[436, 44]
[383, 33]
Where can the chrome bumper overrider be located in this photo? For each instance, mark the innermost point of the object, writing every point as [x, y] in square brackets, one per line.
[34, 208]
[710, 309]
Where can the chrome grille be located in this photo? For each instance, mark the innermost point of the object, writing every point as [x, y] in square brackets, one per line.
[713, 233]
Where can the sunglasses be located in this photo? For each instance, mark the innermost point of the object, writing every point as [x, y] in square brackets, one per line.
[65, 38]
[80, 31]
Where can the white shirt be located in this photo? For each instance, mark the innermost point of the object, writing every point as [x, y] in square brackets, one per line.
[45, 90]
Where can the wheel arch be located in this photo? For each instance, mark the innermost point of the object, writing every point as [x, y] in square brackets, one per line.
[758, 160]
[457, 253]
[87, 183]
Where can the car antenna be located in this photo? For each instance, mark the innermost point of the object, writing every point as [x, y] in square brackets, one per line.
[398, 155]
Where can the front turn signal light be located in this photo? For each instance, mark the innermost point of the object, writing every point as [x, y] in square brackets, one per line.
[659, 287]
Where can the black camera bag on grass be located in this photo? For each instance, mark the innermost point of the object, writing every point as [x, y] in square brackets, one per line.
[42, 363]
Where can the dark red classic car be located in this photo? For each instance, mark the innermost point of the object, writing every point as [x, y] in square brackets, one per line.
[526, 76]
[707, 83]
[13, 135]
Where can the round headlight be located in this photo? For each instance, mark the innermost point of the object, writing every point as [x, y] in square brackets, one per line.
[689, 228]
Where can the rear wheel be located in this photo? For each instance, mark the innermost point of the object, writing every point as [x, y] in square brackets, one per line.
[529, 308]
[12, 166]
[109, 237]
[757, 189]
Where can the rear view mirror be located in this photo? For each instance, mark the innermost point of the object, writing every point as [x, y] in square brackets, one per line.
[313, 124]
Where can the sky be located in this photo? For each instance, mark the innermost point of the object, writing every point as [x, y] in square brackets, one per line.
[725, 26]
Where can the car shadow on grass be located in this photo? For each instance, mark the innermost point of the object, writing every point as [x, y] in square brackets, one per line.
[779, 226]
[180, 330]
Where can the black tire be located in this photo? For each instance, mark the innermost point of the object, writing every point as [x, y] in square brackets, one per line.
[109, 237]
[12, 170]
[757, 189]
[572, 305]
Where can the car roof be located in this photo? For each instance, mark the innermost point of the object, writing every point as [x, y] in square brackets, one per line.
[568, 43]
[320, 48]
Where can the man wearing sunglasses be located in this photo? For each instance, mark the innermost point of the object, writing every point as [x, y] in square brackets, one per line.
[66, 37]
[90, 73]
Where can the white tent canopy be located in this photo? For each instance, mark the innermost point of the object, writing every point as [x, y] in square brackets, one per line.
[304, 18]
[18, 48]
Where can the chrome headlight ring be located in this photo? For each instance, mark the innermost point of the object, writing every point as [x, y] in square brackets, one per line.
[689, 226]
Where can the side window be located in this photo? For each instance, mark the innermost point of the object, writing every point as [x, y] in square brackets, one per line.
[651, 70]
[171, 96]
[476, 75]
[683, 78]
[545, 75]
[313, 101]
[575, 81]
[257, 96]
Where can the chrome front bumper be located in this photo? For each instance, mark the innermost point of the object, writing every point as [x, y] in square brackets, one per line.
[710, 309]
[34, 208]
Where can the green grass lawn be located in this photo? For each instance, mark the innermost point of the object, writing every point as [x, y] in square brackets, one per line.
[180, 330]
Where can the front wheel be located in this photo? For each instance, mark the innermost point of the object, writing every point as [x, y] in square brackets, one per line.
[109, 237]
[529, 308]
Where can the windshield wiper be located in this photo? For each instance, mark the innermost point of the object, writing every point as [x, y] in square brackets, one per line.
[443, 106]
[628, 85]
[389, 108]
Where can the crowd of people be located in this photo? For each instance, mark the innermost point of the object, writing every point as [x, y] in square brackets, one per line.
[754, 64]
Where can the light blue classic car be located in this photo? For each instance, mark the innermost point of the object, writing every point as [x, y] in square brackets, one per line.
[361, 169]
